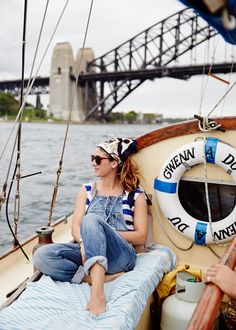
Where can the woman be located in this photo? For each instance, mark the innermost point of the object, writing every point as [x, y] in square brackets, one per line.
[110, 218]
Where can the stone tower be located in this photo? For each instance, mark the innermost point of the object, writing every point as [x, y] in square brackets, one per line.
[63, 92]
[86, 95]
[60, 83]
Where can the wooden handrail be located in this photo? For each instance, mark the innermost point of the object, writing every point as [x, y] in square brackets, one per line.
[207, 308]
[180, 129]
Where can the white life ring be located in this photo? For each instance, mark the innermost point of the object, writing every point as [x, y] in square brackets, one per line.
[166, 186]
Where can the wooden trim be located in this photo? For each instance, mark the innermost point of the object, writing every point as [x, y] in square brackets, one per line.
[35, 277]
[180, 129]
[207, 308]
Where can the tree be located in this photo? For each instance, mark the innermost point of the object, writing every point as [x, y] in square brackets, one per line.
[115, 117]
[130, 117]
[8, 105]
[149, 118]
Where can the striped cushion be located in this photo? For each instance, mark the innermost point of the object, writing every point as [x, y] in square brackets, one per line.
[50, 305]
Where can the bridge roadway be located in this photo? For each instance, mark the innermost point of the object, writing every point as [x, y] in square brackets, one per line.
[41, 84]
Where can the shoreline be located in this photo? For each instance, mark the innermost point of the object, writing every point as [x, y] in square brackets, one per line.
[163, 122]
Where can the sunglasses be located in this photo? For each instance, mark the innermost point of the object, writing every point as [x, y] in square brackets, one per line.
[98, 159]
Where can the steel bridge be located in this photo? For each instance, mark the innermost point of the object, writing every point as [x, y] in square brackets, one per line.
[154, 53]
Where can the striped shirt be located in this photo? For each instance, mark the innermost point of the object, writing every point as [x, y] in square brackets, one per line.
[128, 203]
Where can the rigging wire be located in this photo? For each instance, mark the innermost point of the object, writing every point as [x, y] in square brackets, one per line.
[206, 128]
[38, 42]
[34, 78]
[204, 86]
[54, 195]
[222, 98]
[230, 76]
[17, 166]
[19, 131]
[20, 112]
[30, 76]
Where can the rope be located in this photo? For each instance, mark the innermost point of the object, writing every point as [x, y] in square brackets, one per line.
[222, 98]
[215, 254]
[54, 195]
[170, 239]
[230, 75]
[206, 189]
[203, 87]
[208, 125]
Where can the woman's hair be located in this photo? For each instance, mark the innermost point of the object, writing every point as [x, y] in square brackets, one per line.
[129, 175]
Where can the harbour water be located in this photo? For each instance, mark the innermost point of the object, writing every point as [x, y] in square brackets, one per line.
[41, 150]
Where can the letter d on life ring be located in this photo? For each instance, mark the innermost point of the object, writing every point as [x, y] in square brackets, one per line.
[167, 183]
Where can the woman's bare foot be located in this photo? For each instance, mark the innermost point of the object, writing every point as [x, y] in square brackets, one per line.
[97, 304]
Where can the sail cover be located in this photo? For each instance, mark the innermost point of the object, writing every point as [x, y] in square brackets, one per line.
[221, 14]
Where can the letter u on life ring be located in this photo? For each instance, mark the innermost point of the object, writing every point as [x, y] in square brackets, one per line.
[166, 186]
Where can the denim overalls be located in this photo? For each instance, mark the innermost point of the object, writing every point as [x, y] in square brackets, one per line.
[102, 244]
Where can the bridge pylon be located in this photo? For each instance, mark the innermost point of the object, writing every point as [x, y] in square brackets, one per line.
[86, 95]
[63, 93]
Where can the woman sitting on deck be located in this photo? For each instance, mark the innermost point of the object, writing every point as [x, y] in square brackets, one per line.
[109, 219]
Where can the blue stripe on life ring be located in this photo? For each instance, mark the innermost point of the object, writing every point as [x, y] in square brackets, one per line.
[200, 233]
[210, 149]
[167, 187]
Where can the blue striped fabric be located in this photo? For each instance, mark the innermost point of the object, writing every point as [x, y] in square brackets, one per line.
[88, 188]
[50, 305]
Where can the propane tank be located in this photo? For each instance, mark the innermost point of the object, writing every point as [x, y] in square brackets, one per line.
[178, 308]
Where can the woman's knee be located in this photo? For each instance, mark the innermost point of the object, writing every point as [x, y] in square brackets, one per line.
[91, 221]
[43, 254]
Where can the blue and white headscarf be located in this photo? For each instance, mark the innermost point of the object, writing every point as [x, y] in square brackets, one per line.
[119, 148]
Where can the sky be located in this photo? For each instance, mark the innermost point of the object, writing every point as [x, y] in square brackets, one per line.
[112, 22]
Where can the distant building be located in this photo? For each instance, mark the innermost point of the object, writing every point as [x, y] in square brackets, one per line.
[149, 118]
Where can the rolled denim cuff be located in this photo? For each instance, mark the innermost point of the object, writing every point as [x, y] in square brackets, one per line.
[79, 275]
[101, 260]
